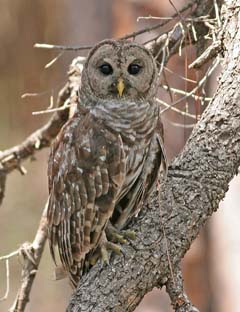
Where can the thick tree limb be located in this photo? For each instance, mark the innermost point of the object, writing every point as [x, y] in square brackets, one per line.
[197, 181]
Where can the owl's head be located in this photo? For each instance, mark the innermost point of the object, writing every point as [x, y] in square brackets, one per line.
[119, 69]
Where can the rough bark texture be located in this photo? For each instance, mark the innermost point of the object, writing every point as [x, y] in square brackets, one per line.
[197, 180]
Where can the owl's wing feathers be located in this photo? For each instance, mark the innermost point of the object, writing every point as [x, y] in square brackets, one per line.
[87, 167]
[155, 162]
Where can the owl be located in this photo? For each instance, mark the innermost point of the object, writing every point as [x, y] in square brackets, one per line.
[106, 159]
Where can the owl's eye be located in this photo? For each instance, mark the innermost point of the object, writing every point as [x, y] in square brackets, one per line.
[106, 69]
[134, 69]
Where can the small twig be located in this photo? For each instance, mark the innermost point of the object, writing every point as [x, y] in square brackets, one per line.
[35, 94]
[10, 159]
[178, 91]
[179, 125]
[62, 47]
[6, 259]
[170, 18]
[12, 254]
[132, 35]
[51, 110]
[216, 8]
[177, 110]
[51, 101]
[54, 60]
[201, 82]
[180, 76]
[5, 296]
[210, 53]
[31, 254]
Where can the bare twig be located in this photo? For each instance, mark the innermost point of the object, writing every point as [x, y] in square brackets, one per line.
[155, 27]
[178, 91]
[132, 35]
[200, 84]
[51, 110]
[11, 159]
[211, 52]
[180, 76]
[62, 47]
[177, 110]
[199, 19]
[31, 254]
[5, 296]
[54, 60]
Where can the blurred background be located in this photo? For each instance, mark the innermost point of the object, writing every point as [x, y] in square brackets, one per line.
[211, 267]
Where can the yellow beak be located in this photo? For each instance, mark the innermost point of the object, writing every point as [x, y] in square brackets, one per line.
[120, 86]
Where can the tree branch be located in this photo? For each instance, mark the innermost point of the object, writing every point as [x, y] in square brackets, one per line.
[197, 181]
[31, 255]
[11, 159]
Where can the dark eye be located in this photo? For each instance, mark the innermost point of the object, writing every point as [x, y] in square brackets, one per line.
[106, 69]
[134, 69]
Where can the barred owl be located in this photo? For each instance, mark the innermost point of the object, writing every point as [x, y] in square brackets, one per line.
[106, 159]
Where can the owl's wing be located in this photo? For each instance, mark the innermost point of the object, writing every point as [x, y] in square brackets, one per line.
[87, 167]
[155, 162]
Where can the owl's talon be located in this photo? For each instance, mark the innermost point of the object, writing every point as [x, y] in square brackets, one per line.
[129, 234]
[119, 236]
[104, 254]
[114, 247]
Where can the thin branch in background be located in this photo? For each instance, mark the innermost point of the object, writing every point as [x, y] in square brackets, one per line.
[7, 283]
[51, 110]
[199, 19]
[155, 27]
[25, 95]
[210, 53]
[6, 259]
[177, 110]
[200, 84]
[37, 94]
[51, 105]
[180, 76]
[54, 60]
[178, 91]
[11, 159]
[132, 35]
[31, 255]
[168, 88]
[62, 47]
[216, 8]
[179, 125]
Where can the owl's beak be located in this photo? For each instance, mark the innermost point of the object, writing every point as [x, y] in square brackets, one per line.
[120, 86]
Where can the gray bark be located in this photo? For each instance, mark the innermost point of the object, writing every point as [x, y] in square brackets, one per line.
[197, 181]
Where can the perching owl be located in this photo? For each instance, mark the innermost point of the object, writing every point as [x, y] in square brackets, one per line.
[106, 159]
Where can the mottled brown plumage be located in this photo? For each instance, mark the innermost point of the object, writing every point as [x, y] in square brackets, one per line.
[106, 159]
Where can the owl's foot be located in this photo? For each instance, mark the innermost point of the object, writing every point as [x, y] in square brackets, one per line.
[103, 250]
[119, 236]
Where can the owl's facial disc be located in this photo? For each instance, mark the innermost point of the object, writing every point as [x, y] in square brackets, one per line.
[121, 70]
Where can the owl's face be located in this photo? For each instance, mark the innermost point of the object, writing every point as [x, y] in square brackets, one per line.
[117, 69]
